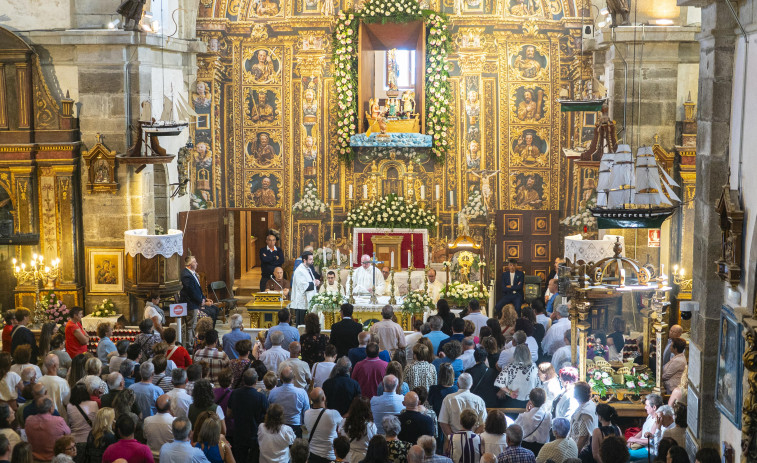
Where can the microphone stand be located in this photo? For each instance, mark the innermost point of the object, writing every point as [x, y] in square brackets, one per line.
[281, 297]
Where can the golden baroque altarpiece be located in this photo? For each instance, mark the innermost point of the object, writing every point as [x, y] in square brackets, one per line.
[265, 98]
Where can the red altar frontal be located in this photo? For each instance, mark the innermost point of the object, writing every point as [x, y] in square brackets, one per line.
[401, 242]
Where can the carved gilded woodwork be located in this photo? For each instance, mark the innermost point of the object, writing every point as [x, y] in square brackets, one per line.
[101, 168]
[729, 265]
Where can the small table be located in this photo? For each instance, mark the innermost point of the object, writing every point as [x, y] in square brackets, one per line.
[263, 308]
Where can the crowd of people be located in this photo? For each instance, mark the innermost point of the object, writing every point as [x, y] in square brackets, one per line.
[437, 395]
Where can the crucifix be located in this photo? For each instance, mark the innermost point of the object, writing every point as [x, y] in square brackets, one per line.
[373, 262]
[486, 191]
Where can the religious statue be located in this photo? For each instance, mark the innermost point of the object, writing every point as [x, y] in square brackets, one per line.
[462, 224]
[392, 106]
[263, 71]
[265, 196]
[528, 66]
[486, 191]
[408, 101]
[528, 152]
[203, 156]
[266, 8]
[392, 73]
[201, 97]
[131, 10]
[526, 194]
[530, 109]
[520, 8]
[472, 106]
[261, 111]
[310, 106]
[263, 151]
[473, 157]
[375, 108]
[310, 155]
[102, 171]
[618, 7]
[327, 8]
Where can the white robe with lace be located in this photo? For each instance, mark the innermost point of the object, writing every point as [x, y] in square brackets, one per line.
[364, 280]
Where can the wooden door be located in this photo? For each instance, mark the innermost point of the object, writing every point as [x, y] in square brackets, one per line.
[207, 238]
[531, 237]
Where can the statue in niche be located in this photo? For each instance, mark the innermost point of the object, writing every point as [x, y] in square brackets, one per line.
[327, 8]
[392, 73]
[523, 7]
[266, 8]
[263, 195]
[529, 191]
[310, 155]
[618, 7]
[472, 105]
[529, 148]
[310, 106]
[473, 156]
[528, 62]
[262, 150]
[102, 171]
[263, 71]
[486, 191]
[261, 111]
[531, 109]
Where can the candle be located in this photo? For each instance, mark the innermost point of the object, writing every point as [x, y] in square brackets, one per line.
[349, 192]
[423, 192]
[365, 191]
[438, 194]
[351, 261]
[391, 260]
[333, 191]
[409, 256]
[338, 258]
[451, 198]
[324, 257]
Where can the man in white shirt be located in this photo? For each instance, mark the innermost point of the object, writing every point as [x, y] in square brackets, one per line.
[455, 403]
[330, 286]
[555, 337]
[276, 354]
[158, 427]
[562, 356]
[476, 316]
[469, 346]
[57, 388]
[302, 375]
[536, 421]
[435, 286]
[180, 399]
[390, 334]
[541, 316]
[363, 278]
[325, 433]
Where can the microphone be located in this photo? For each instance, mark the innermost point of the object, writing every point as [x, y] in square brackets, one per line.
[277, 283]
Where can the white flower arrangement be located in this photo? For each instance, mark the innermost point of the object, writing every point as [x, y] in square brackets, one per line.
[475, 207]
[461, 293]
[310, 205]
[391, 212]
[105, 309]
[438, 88]
[417, 302]
[326, 302]
[583, 218]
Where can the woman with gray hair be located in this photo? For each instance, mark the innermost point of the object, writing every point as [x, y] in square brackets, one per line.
[397, 449]
[561, 448]
[518, 378]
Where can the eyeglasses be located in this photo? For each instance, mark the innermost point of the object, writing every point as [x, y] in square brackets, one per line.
[71, 449]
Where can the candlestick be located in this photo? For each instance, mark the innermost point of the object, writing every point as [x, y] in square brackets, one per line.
[391, 260]
[438, 194]
[324, 256]
[333, 191]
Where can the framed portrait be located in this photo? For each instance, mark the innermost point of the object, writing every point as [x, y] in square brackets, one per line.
[730, 367]
[105, 270]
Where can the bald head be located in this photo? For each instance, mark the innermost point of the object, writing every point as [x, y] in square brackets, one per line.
[51, 364]
[488, 458]
[364, 338]
[675, 332]
[415, 454]
[39, 390]
[294, 349]
[317, 397]
[411, 401]
[163, 404]
[287, 375]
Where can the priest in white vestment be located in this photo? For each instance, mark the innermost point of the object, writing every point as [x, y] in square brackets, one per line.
[364, 278]
[330, 286]
[305, 283]
[435, 287]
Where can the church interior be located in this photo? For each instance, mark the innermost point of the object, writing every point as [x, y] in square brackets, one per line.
[603, 144]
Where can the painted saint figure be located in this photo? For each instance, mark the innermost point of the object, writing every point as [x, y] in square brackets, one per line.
[530, 109]
[527, 150]
[528, 66]
[265, 196]
[263, 71]
[526, 194]
[261, 111]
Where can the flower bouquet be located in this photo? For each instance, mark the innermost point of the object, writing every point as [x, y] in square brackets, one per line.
[600, 381]
[391, 211]
[475, 207]
[461, 293]
[583, 221]
[105, 309]
[637, 383]
[310, 205]
[326, 302]
[55, 310]
[417, 302]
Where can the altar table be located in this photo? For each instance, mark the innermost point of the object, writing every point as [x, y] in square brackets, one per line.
[413, 239]
[364, 311]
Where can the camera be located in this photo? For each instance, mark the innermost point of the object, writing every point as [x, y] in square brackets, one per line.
[687, 308]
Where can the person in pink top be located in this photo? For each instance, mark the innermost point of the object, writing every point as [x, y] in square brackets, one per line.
[369, 372]
[43, 429]
[127, 447]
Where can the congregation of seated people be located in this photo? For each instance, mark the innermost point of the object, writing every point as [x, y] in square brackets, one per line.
[457, 389]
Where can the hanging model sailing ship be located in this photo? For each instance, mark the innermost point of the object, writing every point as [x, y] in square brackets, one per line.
[173, 120]
[633, 194]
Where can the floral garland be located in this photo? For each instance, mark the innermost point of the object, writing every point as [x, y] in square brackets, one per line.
[602, 382]
[475, 207]
[105, 309]
[438, 88]
[55, 310]
[327, 301]
[310, 205]
[461, 293]
[390, 212]
[417, 302]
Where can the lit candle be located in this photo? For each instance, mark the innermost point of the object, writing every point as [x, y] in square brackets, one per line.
[14, 261]
[333, 191]
[349, 192]
[391, 260]
[365, 191]
[451, 198]
[423, 192]
[438, 194]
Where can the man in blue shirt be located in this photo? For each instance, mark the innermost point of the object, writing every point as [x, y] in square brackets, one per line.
[388, 403]
[236, 335]
[436, 335]
[145, 391]
[181, 450]
[290, 333]
[554, 298]
[458, 326]
[292, 399]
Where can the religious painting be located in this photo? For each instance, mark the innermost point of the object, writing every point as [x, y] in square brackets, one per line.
[473, 6]
[262, 148]
[202, 159]
[529, 61]
[473, 153]
[105, 273]
[263, 190]
[524, 7]
[264, 8]
[201, 97]
[309, 233]
[527, 190]
[101, 164]
[730, 370]
[309, 157]
[313, 42]
[262, 106]
[529, 148]
[530, 104]
[261, 66]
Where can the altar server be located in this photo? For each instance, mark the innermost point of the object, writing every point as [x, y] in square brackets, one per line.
[305, 284]
[364, 278]
[435, 286]
[331, 285]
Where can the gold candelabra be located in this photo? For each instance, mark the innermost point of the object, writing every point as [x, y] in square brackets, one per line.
[392, 299]
[37, 274]
[352, 287]
[679, 280]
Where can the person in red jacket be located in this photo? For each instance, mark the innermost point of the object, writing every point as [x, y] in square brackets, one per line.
[10, 323]
[77, 339]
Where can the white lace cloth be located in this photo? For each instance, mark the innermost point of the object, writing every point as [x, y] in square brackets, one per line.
[591, 250]
[139, 242]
